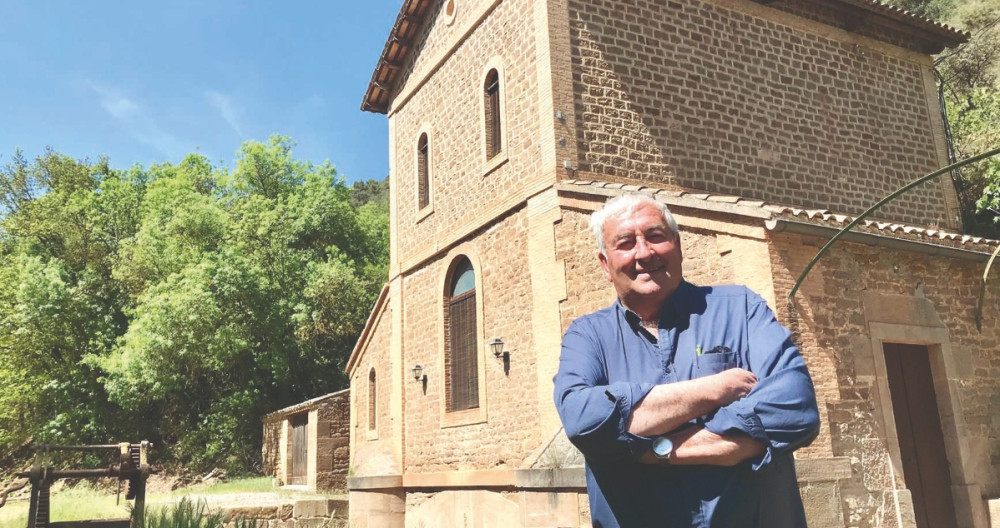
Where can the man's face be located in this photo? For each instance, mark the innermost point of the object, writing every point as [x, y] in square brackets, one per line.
[643, 257]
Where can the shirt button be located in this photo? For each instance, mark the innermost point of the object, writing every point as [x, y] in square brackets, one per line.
[667, 370]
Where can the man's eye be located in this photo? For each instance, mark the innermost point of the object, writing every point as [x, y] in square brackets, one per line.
[625, 244]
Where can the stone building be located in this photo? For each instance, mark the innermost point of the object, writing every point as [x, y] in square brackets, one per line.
[764, 126]
[308, 444]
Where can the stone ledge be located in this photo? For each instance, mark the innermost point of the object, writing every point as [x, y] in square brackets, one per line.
[822, 469]
[460, 479]
[375, 482]
[317, 507]
[574, 477]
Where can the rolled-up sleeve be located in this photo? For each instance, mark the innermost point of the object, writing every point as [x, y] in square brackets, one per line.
[595, 413]
[781, 410]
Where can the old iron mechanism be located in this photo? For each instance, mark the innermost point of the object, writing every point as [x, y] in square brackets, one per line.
[132, 468]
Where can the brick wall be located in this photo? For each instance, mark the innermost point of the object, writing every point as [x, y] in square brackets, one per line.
[696, 95]
[449, 107]
[373, 449]
[509, 400]
[830, 16]
[586, 288]
[832, 319]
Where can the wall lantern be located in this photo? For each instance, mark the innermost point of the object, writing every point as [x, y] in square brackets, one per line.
[418, 374]
[498, 352]
[497, 345]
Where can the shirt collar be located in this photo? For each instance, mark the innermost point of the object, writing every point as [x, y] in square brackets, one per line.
[674, 305]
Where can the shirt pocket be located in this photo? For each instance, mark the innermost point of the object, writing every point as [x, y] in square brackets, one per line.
[715, 361]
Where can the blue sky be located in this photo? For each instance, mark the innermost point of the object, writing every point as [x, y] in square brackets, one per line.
[149, 82]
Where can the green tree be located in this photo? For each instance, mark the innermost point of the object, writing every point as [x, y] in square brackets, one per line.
[968, 86]
[57, 302]
[376, 191]
[179, 303]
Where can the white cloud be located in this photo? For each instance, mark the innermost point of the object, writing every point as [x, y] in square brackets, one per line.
[224, 105]
[137, 121]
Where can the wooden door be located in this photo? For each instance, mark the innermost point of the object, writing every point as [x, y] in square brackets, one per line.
[921, 441]
[300, 449]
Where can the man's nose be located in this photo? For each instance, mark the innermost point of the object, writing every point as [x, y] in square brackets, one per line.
[642, 249]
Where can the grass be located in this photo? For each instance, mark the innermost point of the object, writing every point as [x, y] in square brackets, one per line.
[77, 503]
[83, 502]
[245, 485]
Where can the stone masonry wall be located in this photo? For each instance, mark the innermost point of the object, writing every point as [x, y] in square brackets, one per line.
[304, 513]
[510, 433]
[449, 108]
[332, 430]
[372, 450]
[333, 446]
[697, 95]
[831, 322]
[271, 447]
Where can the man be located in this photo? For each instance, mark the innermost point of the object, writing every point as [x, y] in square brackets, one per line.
[685, 401]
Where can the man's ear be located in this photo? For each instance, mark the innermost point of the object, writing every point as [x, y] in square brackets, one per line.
[604, 266]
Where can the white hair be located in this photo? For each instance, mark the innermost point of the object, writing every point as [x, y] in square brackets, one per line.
[627, 202]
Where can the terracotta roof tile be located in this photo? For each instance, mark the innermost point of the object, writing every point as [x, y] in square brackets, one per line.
[822, 217]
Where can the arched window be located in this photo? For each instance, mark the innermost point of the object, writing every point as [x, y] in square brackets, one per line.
[462, 385]
[372, 392]
[423, 172]
[491, 102]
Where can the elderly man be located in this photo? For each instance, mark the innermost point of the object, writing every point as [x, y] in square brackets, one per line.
[685, 401]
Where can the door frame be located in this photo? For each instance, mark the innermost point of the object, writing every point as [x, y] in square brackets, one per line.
[966, 494]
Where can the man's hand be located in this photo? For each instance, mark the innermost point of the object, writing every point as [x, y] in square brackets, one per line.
[668, 406]
[733, 384]
[696, 445]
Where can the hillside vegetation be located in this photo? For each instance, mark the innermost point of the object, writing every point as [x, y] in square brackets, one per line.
[968, 82]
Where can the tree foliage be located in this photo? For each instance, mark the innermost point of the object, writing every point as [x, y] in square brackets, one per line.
[968, 83]
[969, 88]
[178, 303]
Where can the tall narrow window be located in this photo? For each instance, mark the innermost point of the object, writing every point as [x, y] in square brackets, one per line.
[423, 172]
[372, 392]
[491, 95]
[462, 385]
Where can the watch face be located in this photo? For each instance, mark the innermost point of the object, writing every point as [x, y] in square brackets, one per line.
[662, 446]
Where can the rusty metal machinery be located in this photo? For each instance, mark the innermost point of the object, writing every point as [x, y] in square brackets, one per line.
[132, 469]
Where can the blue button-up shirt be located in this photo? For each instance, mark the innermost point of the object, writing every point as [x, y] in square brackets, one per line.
[609, 362]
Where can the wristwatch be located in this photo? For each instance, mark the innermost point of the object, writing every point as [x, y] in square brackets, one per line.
[663, 448]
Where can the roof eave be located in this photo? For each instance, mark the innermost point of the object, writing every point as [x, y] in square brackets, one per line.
[397, 46]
